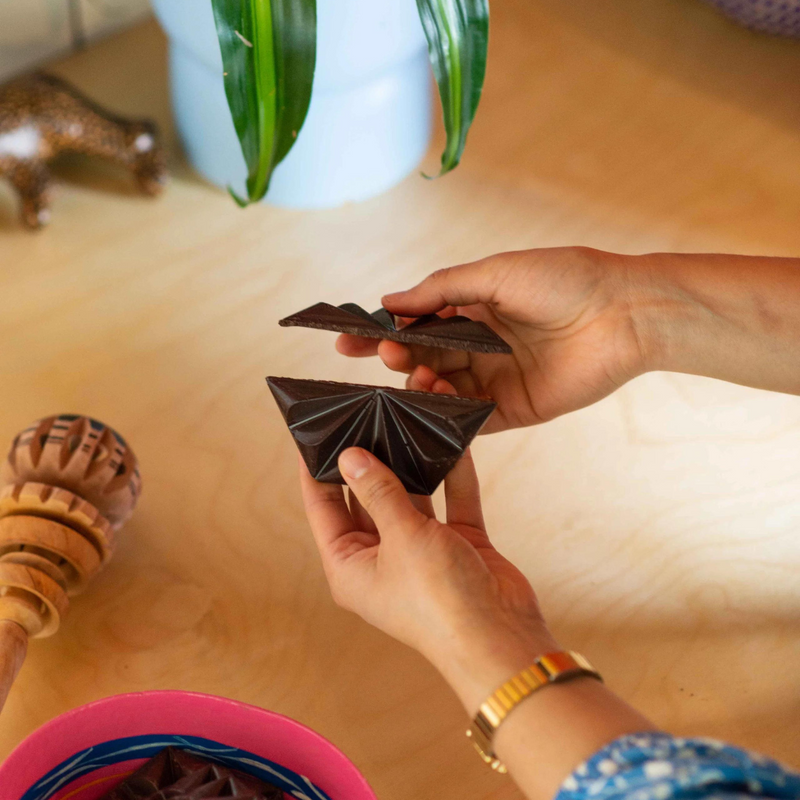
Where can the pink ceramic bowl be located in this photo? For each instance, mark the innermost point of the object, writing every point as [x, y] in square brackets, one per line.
[85, 752]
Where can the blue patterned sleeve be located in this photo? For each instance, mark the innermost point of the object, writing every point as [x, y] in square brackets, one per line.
[657, 766]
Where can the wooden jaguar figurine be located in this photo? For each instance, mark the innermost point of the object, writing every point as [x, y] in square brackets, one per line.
[42, 116]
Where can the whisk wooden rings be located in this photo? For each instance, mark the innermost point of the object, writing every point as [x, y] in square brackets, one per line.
[51, 502]
[76, 556]
[81, 455]
[31, 598]
[71, 482]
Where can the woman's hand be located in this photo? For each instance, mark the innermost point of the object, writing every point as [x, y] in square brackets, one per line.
[583, 322]
[442, 588]
[439, 587]
[566, 312]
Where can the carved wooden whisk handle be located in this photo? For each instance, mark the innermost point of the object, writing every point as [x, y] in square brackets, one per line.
[68, 484]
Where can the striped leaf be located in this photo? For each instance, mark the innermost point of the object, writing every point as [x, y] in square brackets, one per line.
[269, 52]
[458, 39]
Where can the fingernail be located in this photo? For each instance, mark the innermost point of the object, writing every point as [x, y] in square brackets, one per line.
[354, 463]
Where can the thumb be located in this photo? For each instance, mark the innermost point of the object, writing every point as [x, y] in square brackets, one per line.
[464, 285]
[380, 492]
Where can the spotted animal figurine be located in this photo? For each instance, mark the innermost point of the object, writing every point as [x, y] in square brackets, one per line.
[67, 486]
[42, 116]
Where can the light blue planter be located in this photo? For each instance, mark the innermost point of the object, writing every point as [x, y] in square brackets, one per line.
[368, 125]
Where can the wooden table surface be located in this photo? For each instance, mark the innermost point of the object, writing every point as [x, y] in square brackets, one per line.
[660, 526]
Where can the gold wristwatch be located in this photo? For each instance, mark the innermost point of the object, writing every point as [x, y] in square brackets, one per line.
[550, 668]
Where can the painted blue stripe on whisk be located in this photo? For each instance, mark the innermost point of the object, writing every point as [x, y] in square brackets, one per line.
[108, 753]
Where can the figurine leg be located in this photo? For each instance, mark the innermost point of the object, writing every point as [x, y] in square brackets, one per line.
[31, 179]
[151, 175]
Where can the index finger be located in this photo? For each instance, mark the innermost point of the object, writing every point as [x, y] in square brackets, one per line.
[463, 285]
[356, 346]
[463, 494]
[326, 509]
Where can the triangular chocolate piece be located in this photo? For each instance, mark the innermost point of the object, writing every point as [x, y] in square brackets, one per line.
[451, 333]
[419, 435]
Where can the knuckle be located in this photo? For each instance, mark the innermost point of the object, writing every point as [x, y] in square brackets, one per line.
[338, 595]
[424, 528]
[323, 500]
[585, 256]
[582, 251]
[507, 268]
[441, 276]
[378, 492]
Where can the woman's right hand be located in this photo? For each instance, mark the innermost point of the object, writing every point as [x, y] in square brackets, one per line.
[442, 588]
[565, 311]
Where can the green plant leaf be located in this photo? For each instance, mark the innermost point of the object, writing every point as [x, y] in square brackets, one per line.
[458, 39]
[269, 52]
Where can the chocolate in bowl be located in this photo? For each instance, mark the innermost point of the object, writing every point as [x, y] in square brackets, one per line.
[84, 753]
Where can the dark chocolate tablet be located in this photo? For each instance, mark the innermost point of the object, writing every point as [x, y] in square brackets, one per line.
[451, 333]
[419, 435]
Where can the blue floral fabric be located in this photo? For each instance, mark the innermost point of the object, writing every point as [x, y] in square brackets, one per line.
[657, 766]
[781, 17]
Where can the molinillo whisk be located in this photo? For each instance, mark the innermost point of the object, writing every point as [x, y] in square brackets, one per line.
[68, 485]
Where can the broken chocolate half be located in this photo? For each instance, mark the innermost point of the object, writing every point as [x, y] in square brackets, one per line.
[419, 435]
[452, 333]
[176, 775]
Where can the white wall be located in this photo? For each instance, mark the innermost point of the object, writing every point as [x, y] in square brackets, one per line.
[32, 31]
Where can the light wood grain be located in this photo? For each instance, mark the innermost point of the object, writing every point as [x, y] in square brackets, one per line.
[659, 527]
[13, 646]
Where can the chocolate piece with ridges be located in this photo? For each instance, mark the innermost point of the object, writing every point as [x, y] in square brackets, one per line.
[176, 775]
[419, 435]
[451, 333]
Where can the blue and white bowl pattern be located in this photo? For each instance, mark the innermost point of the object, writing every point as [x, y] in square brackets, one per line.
[133, 747]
